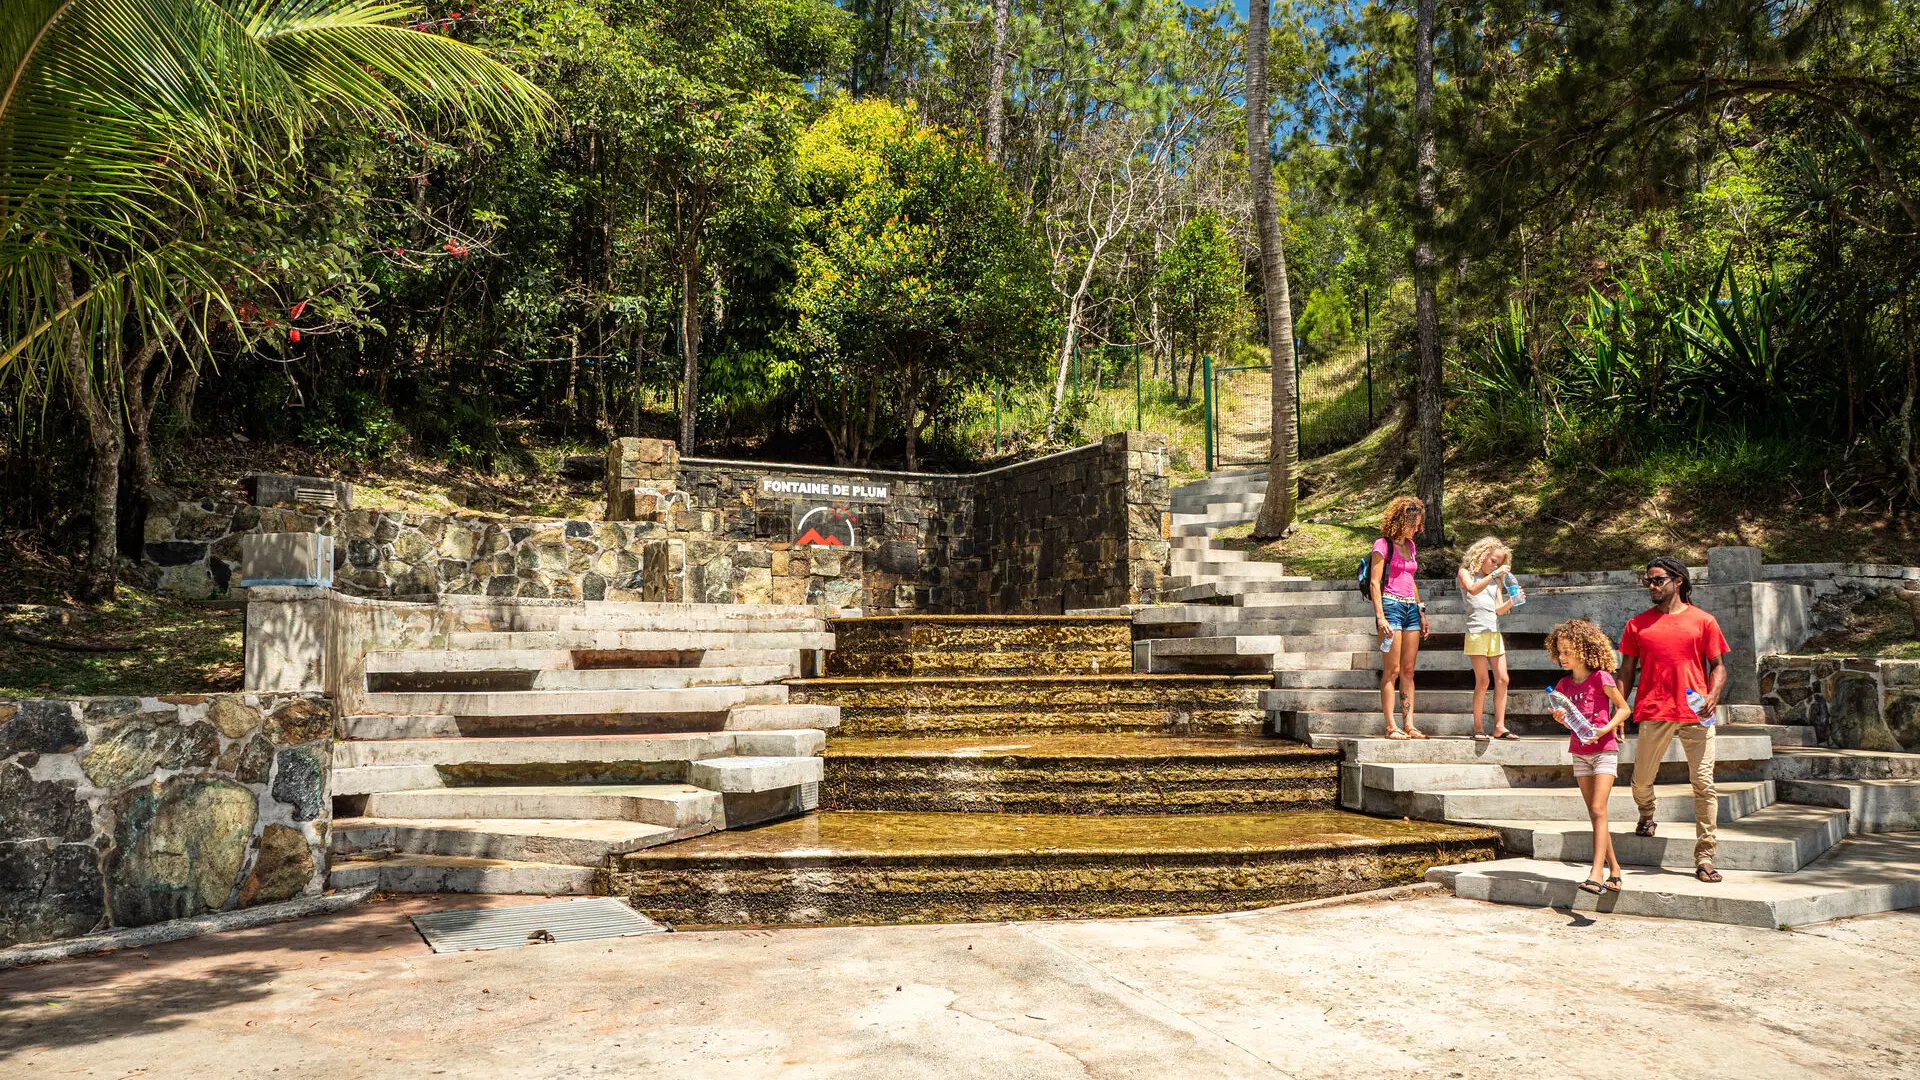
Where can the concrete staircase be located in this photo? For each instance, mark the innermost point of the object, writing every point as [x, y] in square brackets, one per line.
[1791, 816]
[533, 743]
[1201, 509]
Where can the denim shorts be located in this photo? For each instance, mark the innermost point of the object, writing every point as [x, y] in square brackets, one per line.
[1401, 614]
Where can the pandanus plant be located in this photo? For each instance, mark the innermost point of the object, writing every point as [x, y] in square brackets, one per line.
[119, 117]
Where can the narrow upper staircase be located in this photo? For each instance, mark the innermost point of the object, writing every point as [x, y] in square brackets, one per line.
[537, 741]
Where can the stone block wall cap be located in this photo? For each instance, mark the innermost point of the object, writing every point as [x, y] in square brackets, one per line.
[286, 593]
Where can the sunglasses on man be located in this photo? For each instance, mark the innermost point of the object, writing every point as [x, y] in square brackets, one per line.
[1654, 581]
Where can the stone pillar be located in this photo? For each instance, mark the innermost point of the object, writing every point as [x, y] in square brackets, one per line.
[1149, 525]
[639, 467]
[285, 643]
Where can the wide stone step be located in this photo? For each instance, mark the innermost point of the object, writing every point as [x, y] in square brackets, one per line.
[1778, 839]
[539, 620]
[1862, 875]
[671, 805]
[1872, 806]
[1530, 752]
[482, 755]
[1147, 704]
[471, 660]
[564, 842]
[749, 775]
[704, 699]
[782, 717]
[639, 640]
[861, 867]
[1192, 554]
[1099, 774]
[1245, 571]
[1328, 728]
[1519, 701]
[443, 726]
[1672, 802]
[523, 679]
[459, 874]
[1822, 763]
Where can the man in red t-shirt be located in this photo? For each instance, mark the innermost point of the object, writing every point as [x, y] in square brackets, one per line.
[1666, 650]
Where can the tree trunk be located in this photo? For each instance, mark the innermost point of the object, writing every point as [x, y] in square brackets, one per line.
[1276, 512]
[1074, 303]
[997, 82]
[1426, 271]
[913, 428]
[689, 339]
[102, 420]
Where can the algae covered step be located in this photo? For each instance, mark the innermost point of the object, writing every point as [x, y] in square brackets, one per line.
[963, 645]
[1079, 774]
[1039, 704]
[864, 867]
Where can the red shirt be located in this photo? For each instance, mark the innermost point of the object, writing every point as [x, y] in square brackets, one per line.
[1673, 651]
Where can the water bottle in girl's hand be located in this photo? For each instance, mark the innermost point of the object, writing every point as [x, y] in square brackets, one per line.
[1514, 592]
[1571, 715]
[1698, 703]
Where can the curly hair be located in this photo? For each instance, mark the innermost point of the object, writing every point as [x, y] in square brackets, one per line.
[1476, 555]
[1588, 642]
[1398, 522]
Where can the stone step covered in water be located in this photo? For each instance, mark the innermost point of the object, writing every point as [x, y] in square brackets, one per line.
[639, 640]
[978, 645]
[400, 764]
[1079, 774]
[1039, 705]
[865, 867]
[1778, 839]
[1862, 875]
[586, 842]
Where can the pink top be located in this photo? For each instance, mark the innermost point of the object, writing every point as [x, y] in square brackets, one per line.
[1589, 695]
[1398, 578]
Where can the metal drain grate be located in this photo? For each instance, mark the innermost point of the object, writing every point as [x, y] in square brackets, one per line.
[504, 927]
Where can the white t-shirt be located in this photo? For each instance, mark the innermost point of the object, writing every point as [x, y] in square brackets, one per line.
[1480, 614]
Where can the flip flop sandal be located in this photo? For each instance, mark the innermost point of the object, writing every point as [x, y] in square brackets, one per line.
[1507, 736]
[1707, 874]
[1591, 886]
[1396, 733]
[1613, 884]
[1481, 736]
[1645, 828]
[1412, 734]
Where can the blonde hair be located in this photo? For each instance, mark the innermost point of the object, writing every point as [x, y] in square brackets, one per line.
[1588, 642]
[1476, 555]
[1398, 522]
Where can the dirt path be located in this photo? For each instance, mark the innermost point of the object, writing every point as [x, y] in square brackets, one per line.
[1246, 418]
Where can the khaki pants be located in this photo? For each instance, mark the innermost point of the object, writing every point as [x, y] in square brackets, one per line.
[1697, 743]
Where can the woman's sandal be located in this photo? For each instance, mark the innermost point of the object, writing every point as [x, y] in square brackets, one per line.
[1413, 733]
[1613, 883]
[1507, 736]
[1396, 733]
[1645, 828]
[1705, 872]
[1591, 886]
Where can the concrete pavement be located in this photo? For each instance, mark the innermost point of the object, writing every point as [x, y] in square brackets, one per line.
[1426, 987]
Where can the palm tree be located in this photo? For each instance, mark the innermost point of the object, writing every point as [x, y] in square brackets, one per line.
[118, 116]
[1276, 513]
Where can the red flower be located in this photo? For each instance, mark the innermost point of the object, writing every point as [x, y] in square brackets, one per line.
[297, 309]
[293, 335]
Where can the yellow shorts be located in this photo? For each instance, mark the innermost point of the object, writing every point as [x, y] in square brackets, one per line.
[1488, 643]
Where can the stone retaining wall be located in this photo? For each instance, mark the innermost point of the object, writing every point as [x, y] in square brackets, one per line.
[123, 811]
[1853, 703]
[1083, 528]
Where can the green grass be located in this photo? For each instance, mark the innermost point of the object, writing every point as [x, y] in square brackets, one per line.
[173, 647]
[1879, 625]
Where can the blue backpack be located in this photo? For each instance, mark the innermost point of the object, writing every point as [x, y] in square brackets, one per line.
[1363, 580]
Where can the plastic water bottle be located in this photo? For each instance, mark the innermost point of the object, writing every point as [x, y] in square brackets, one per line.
[1386, 642]
[1514, 592]
[1698, 703]
[1576, 719]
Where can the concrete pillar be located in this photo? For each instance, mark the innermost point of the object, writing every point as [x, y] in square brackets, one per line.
[1732, 565]
[285, 642]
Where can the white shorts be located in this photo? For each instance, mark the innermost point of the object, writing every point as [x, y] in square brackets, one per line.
[1606, 763]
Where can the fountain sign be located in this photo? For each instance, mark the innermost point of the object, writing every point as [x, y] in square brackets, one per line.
[824, 526]
[807, 488]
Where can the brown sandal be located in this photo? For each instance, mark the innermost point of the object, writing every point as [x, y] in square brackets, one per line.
[1705, 872]
[1645, 828]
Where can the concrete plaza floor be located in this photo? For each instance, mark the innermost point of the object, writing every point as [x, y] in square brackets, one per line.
[1426, 987]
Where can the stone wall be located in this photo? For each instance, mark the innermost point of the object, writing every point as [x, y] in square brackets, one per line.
[123, 811]
[1087, 528]
[1853, 703]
